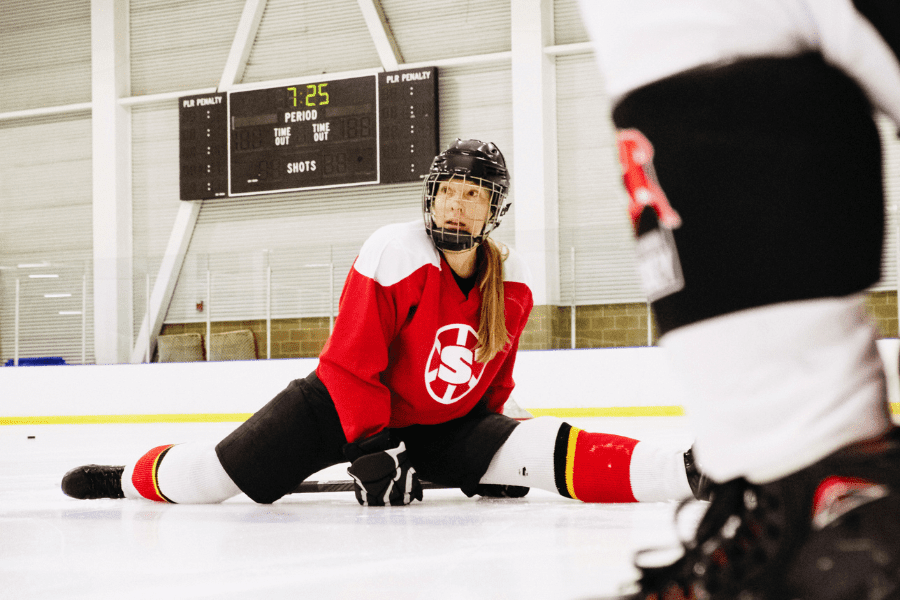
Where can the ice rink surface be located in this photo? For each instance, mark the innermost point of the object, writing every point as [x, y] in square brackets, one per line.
[320, 545]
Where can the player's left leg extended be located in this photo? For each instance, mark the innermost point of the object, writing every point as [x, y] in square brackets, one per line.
[548, 453]
[492, 455]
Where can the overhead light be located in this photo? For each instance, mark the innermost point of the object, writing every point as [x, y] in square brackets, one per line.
[57, 295]
[70, 312]
[34, 265]
[42, 276]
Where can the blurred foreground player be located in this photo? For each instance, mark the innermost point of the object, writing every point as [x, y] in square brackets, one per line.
[758, 234]
[412, 382]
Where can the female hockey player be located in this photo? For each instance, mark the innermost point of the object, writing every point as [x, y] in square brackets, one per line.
[412, 382]
[768, 195]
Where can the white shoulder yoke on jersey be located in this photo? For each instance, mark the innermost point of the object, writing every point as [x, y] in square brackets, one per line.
[395, 252]
[515, 269]
[662, 38]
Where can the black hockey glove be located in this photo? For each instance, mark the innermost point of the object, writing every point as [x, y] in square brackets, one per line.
[495, 490]
[382, 473]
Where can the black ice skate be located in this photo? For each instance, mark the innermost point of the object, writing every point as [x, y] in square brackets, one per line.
[93, 481]
[701, 484]
[828, 532]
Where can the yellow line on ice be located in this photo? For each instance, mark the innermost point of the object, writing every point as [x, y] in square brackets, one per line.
[628, 411]
[115, 419]
[601, 411]
[609, 411]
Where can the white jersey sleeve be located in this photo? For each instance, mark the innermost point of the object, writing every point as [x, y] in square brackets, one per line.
[641, 41]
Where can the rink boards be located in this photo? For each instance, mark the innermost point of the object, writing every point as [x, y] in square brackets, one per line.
[566, 383]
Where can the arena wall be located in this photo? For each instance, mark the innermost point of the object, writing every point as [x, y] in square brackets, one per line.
[590, 382]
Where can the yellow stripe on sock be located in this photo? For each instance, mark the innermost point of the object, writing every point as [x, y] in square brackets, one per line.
[570, 461]
[154, 474]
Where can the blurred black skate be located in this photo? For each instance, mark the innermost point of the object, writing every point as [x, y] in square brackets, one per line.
[93, 481]
[828, 532]
[701, 484]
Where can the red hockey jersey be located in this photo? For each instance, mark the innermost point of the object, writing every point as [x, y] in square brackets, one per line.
[403, 346]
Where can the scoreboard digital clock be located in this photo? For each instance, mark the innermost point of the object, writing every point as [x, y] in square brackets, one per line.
[379, 128]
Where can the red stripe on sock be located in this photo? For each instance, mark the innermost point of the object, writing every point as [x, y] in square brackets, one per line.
[144, 476]
[602, 467]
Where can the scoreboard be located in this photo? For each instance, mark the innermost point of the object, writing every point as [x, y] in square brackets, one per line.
[378, 128]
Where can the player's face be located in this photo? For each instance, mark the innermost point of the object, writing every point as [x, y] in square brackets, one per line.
[461, 205]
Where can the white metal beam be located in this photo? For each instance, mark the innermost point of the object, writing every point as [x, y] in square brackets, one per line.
[111, 158]
[534, 145]
[570, 49]
[189, 211]
[242, 43]
[460, 61]
[164, 96]
[164, 287]
[49, 110]
[382, 36]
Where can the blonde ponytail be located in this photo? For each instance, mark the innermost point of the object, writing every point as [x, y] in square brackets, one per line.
[492, 333]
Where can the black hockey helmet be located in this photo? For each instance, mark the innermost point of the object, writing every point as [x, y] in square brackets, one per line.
[475, 161]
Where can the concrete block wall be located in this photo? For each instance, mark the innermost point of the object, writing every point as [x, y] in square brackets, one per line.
[291, 338]
[549, 328]
[883, 308]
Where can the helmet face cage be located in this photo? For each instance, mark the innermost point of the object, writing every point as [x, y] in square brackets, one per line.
[467, 162]
[455, 240]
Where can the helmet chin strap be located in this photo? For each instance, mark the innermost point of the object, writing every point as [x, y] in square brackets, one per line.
[454, 240]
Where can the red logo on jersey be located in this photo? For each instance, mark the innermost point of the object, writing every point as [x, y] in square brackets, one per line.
[636, 157]
[451, 371]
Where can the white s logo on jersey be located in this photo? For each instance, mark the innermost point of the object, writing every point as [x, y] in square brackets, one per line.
[451, 371]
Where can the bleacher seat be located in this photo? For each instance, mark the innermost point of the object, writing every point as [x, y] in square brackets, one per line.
[232, 345]
[181, 347]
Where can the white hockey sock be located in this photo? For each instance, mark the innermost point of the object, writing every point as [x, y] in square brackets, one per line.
[183, 474]
[548, 454]
[772, 390]
[658, 473]
[526, 457]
